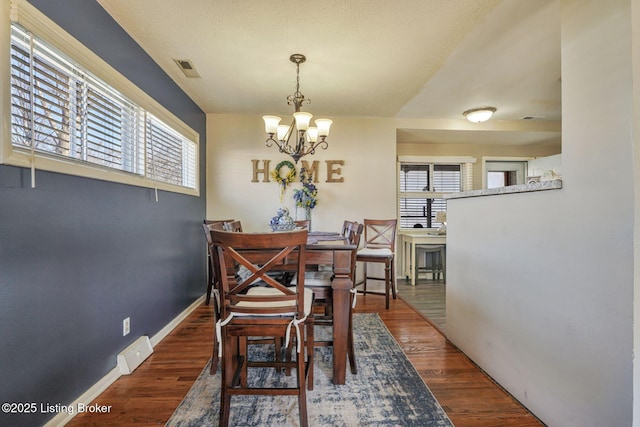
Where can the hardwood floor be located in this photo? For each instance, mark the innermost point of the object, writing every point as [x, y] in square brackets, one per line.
[150, 395]
[428, 297]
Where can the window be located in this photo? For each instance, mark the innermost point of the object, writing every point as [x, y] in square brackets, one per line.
[422, 187]
[62, 112]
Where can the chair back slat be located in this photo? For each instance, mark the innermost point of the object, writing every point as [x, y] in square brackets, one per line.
[261, 254]
[302, 223]
[212, 221]
[260, 273]
[380, 233]
[235, 226]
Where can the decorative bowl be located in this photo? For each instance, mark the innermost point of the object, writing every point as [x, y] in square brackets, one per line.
[282, 227]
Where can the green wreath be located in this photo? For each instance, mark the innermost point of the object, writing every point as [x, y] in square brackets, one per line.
[291, 176]
[286, 180]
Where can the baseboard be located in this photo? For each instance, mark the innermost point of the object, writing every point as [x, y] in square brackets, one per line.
[176, 321]
[94, 391]
[87, 397]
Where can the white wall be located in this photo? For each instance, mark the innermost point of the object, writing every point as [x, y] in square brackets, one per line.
[367, 147]
[635, 40]
[479, 151]
[542, 297]
[551, 163]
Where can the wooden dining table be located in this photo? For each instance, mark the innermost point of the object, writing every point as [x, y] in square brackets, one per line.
[330, 248]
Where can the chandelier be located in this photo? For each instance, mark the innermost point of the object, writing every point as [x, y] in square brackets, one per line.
[308, 138]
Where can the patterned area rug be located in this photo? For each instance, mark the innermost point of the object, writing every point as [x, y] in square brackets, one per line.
[387, 391]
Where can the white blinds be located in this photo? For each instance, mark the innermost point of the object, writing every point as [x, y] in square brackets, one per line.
[61, 109]
[422, 187]
[170, 158]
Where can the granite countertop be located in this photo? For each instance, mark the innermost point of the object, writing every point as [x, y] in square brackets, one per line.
[522, 188]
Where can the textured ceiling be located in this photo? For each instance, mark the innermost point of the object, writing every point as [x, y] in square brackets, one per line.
[371, 58]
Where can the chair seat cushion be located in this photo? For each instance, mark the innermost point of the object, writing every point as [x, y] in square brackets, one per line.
[315, 279]
[381, 252]
[263, 291]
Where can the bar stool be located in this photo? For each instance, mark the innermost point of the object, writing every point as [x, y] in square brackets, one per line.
[379, 247]
[434, 261]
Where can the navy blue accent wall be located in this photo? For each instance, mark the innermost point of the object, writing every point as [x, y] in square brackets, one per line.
[79, 255]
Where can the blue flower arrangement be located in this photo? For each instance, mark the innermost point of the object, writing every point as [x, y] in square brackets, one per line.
[306, 197]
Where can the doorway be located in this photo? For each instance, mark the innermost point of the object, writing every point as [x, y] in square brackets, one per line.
[504, 173]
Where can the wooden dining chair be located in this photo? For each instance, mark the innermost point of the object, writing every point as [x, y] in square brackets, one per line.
[302, 223]
[212, 221]
[272, 309]
[210, 275]
[213, 285]
[207, 226]
[233, 226]
[379, 247]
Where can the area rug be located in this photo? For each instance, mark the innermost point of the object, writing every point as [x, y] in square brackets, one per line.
[386, 391]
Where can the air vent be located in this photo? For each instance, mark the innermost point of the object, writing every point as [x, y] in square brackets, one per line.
[187, 68]
[133, 356]
[531, 118]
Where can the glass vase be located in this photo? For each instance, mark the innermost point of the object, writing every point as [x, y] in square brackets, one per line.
[307, 212]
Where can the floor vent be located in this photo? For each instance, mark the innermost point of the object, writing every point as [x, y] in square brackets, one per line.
[133, 356]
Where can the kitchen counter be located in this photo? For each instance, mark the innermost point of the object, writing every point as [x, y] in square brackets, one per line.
[522, 188]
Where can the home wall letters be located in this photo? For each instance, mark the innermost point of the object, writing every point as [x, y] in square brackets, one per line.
[333, 169]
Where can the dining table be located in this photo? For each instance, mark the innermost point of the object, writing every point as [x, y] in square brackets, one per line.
[330, 248]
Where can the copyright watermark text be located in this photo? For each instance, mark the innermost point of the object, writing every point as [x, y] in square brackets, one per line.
[53, 408]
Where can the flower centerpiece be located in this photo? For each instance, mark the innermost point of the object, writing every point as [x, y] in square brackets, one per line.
[307, 196]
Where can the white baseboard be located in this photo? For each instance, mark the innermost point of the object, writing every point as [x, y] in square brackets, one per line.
[175, 322]
[64, 417]
[94, 391]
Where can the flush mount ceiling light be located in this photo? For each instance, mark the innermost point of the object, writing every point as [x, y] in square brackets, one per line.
[479, 115]
[308, 138]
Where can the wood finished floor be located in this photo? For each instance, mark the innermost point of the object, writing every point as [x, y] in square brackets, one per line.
[428, 297]
[150, 395]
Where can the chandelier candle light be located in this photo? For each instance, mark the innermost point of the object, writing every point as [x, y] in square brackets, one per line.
[308, 137]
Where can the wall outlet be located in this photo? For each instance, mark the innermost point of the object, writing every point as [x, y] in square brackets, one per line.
[126, 326]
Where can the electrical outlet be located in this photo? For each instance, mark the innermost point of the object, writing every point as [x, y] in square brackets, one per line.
[126, 326]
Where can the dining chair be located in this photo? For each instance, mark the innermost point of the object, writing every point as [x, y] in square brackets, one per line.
[302, 223]
[210, 275]
[235, 225]
[272, 309]
[213, 221]
[353, 232]
[320, 283]
[379, 247]
[213, 279]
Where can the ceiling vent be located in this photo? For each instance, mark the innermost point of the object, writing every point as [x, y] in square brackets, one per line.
[531, 118]
[186, 66]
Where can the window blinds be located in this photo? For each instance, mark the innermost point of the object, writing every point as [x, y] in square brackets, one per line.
[422, 187]
[61, 109]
